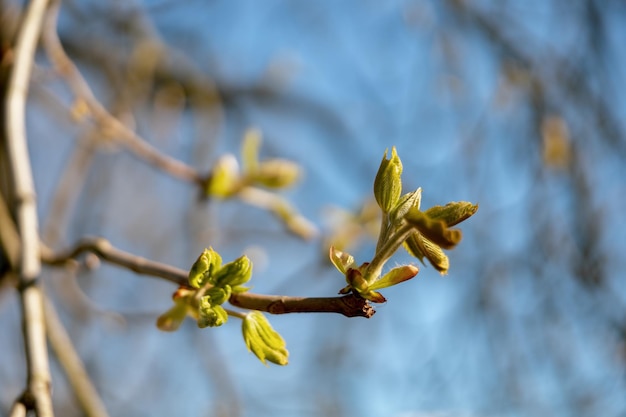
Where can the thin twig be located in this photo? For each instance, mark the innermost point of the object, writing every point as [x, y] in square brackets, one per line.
[63, 348]
[349, 305]
[107, 122]
[103, 249]
[25, 210]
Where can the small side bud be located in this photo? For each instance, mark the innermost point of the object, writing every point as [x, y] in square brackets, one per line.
[262, 340]
[234, 273]
[388, 184]
[210, 315]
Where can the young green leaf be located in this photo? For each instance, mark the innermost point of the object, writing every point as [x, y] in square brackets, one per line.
[395, 276]
[262, 340]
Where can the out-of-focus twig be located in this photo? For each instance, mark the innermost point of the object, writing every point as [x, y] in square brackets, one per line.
[348, 305]
[25, 213]
[108, 123]
[74, 369]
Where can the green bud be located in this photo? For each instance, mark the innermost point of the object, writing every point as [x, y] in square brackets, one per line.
[206, 264]
[388, 184]
[262, 340]
[277, 173]
[210, 315]
[407, 202]
[452, 213]
[218, 295]
[395, 276]
[434, 230]
[341, 260]
[234, 273]
[420, 247]
[225, 177]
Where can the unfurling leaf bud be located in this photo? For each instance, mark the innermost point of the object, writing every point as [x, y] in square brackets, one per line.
[406, 203]
[262, 340]
[218, 295]
[341, 260]
[420, 247]
[207, 263]
[234, 273]
[452, 213]
[388, 184]
[210, 315]
[434, 230]
[276, 173]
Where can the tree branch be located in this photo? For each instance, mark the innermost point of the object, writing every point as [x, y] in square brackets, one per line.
[25, 211]
[107, 122]
[349, 305]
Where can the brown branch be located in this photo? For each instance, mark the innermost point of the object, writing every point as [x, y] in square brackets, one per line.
[107, 122]
[103, 249]
[25, 213]
[349, 305]
[77, 376]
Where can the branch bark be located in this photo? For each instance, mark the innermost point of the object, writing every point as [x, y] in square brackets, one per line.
[25, 213]
[349, 305]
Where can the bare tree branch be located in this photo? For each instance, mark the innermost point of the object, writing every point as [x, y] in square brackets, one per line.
[63, 348]
[25, 211]
[349, 305]
[107, 122]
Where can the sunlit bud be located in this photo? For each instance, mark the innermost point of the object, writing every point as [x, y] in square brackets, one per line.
[206, 264]
[262, 340]
[388, 184]
[234, 273]
[224, 180]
